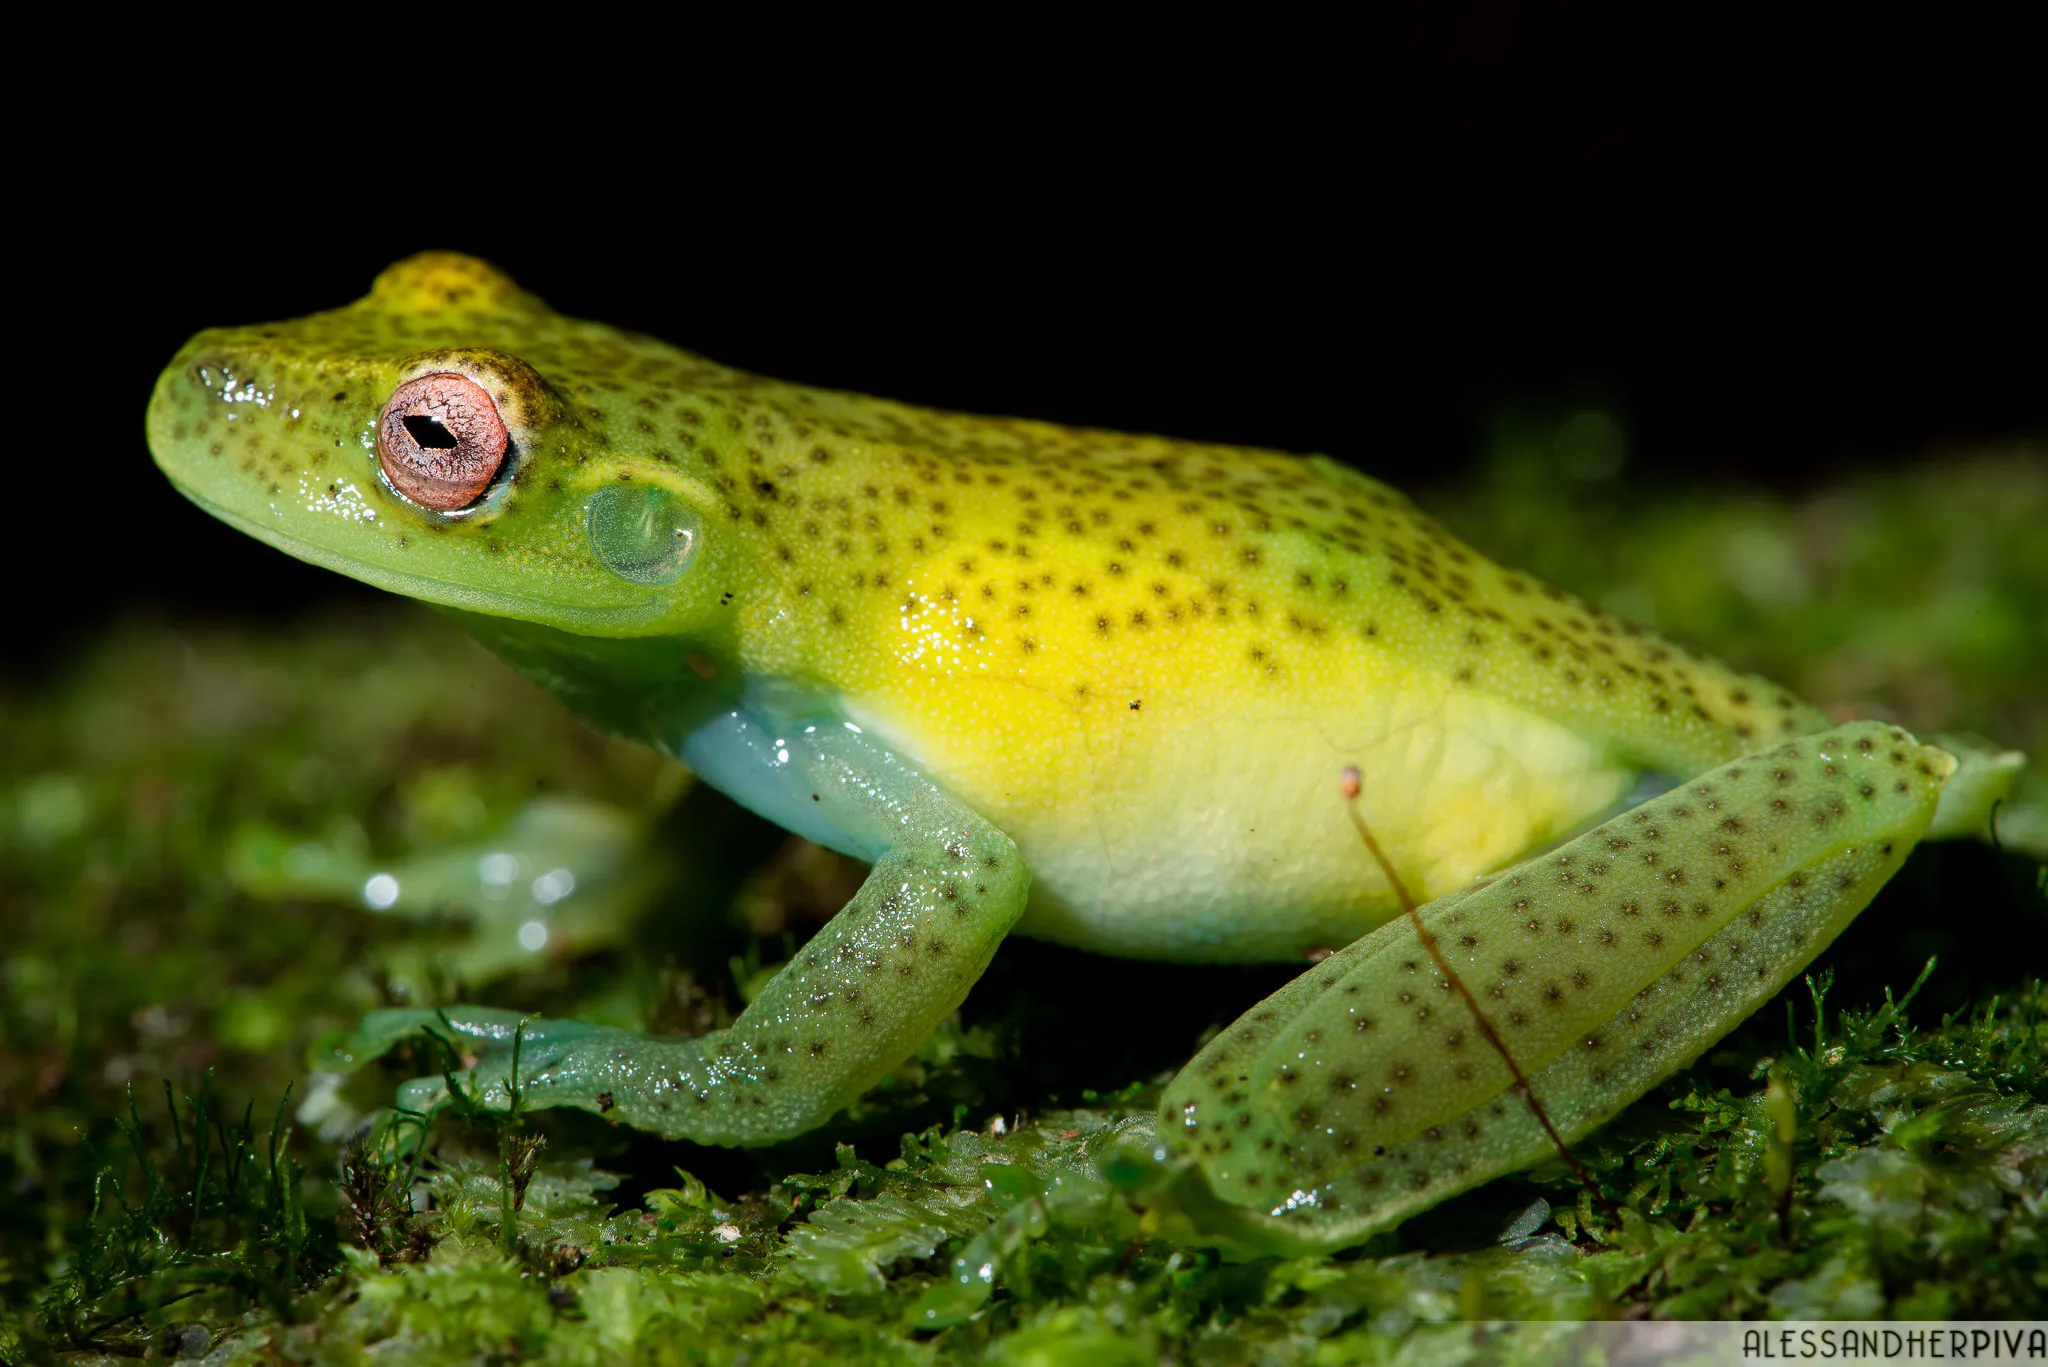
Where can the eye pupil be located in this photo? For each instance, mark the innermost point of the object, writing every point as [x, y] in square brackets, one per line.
[431, 433]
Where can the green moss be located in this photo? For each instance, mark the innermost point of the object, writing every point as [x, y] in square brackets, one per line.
[1837, 1155]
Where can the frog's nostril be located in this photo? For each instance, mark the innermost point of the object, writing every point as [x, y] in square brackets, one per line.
[441, 441]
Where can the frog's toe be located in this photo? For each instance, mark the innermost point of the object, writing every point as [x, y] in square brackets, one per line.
[488, 1083]
[472, 1033]
[555, 1063]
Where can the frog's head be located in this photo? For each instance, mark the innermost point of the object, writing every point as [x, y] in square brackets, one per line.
[453, 439]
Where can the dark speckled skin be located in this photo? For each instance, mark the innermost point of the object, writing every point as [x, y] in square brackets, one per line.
[1145, 659]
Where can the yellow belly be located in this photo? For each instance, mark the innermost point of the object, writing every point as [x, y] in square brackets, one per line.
[1205, 822]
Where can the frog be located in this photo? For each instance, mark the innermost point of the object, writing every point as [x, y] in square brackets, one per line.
[1136, 695]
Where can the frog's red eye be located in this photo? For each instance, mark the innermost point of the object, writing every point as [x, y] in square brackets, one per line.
[440, 441]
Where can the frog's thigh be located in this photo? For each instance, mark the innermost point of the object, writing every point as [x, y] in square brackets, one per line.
[1365, 1091]
[945, 888]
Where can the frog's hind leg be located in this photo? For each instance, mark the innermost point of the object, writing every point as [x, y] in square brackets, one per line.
[945, 888]
[1603, 966]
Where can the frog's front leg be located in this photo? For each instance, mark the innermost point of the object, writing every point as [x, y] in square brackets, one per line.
[945, 888]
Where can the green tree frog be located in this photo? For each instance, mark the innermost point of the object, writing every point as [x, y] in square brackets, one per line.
[1079, 685]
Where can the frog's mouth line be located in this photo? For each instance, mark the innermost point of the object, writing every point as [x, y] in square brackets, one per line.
[521, 607]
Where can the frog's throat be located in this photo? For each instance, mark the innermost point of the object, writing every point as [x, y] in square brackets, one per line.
[601, 621]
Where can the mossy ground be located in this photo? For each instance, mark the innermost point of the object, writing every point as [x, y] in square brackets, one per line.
[177, 799]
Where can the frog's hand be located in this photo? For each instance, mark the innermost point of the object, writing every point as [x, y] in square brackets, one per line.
[1363, 1092]
[483, 1034]
[945, 888]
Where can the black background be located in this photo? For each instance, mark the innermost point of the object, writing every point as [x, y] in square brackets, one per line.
[1774, 253]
